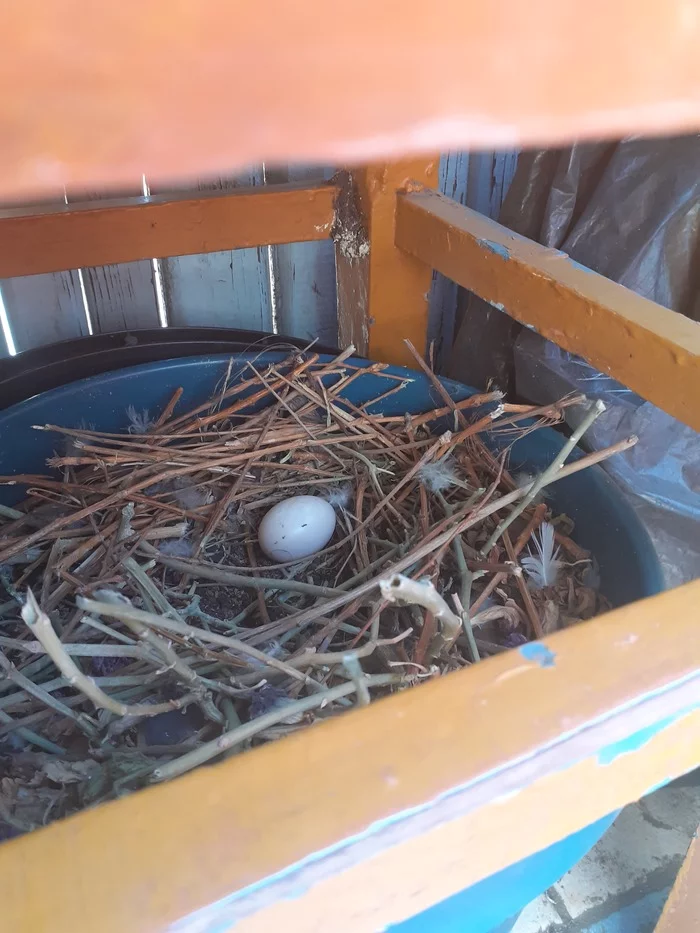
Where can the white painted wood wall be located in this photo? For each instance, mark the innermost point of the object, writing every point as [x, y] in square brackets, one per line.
[288, 289]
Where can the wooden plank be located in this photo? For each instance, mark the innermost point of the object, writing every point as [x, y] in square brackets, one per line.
[681, 913]
[454, 172]
[382, 293]
[380, 812]
[121, 296]
[96, 101]
[654, 351]
[44, 309]
[226, 288]
[305, 274]
[229, 288]
[98, 233]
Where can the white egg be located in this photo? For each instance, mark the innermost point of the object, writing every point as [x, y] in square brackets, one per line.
[296, 528]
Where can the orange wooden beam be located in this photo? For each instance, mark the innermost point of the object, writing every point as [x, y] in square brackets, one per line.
[382, 292]
[381, 812]
[96, 94]
[645, 346]
[55, 238]
[681, 913]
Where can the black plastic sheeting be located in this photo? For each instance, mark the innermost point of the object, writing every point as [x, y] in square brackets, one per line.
[629, 210]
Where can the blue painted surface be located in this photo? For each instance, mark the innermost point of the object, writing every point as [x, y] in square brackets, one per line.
[579, 266]
[494, 903]
[498, 248]
[539, 653]
[635, 741]
[628, 563]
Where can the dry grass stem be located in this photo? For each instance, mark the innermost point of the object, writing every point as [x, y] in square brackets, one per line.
[135, 565]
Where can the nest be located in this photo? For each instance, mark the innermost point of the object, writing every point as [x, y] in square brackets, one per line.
[143, 633]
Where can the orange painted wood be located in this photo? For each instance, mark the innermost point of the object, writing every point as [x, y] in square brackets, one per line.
[102, 92]
[681, 913]
[382, 292]
[649, 348]
[101, 232]
[385, 810]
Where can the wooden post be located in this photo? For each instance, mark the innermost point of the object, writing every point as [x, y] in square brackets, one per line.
[382, 291]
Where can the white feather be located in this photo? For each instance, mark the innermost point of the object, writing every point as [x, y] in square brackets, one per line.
[543, 566]
[176, 547]
[438, 476]
[339, 496]
[139, 422]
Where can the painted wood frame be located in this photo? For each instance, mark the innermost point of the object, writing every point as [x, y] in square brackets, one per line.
[649, 348]
[381, 812]
[382, 291]
[102, 92]
[389, 809]
[71, 236]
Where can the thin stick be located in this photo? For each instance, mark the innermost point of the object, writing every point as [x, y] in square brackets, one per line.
[536, 520]
[548, 475]
[423, 593]
[40, 625]
[178, 666]
[33, 737]
[219, 575]
[250, 729]
[353, 669]
[525, 595]
[123, 612]
[312, 658]
[443, 538]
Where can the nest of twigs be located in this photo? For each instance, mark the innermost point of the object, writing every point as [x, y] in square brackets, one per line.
[143, 632]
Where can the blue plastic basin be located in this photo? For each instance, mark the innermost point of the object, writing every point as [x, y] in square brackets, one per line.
[605, 524]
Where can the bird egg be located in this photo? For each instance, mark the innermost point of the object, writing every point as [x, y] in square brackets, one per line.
[296, 528]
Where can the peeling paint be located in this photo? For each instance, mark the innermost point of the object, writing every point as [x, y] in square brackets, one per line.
[631, 743]
[539, 653]
[581, 268]
[498, 248]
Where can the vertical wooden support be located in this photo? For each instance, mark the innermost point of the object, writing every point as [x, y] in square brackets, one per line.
[383, 292]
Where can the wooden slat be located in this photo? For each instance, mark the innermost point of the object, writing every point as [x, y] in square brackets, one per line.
[654, 351]
[96, 234]
[382, 293]
[226, 288]
[191, 88]
[44, 309]
[121, 296]
[305, 274]
[377, 814]
[681, 913]
[454, 173]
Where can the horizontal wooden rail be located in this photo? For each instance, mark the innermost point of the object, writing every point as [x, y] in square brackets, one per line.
[645, 346]
[383, 811]
[97, 233]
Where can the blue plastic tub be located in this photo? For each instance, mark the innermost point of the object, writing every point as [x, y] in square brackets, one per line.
[605, 523]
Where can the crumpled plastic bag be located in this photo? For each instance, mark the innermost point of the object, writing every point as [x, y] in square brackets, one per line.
[631, 211]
